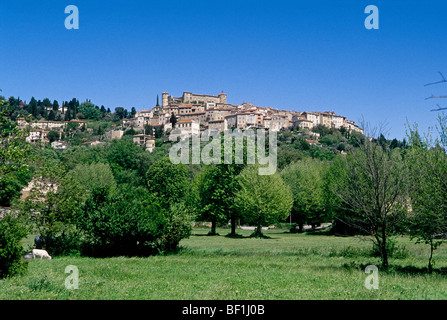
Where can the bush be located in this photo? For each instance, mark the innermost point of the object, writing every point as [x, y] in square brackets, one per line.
[130, 222]
[11, 250]
[176, 227]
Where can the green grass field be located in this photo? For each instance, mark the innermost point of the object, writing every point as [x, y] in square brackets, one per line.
[286, 266]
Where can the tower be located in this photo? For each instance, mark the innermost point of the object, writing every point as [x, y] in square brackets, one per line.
[223, 98]
[164, 99]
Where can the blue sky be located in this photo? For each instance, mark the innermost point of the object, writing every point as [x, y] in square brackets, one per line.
[299, 55]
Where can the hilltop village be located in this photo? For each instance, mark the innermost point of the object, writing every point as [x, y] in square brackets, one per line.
[181, 117]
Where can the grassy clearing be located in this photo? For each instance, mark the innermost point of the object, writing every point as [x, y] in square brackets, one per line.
[287, 266]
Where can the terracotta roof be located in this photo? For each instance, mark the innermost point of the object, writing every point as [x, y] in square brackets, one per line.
[191, 113]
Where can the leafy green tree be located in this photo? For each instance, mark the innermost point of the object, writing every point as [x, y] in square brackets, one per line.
[262, 199]
[126, 160]
[94, 175]
[47, 103]
[148, 129]
[53, 203]
[158, 132]
[305, 179]
[12, 231]
[215, 188]
[89, 110]
[10, 188]
[168, 181]
[428, 193]
[51, 116]
[15, 154]
[287, 156]
[130, 221]
[53, 136]
[32, 107]
[120, 113]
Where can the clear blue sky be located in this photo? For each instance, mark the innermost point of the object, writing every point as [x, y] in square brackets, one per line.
[300, 55]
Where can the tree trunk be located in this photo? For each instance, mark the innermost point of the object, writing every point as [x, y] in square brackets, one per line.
[258, 232]
[233, 225]
[430, 267]
[213, 228]
[384, 250]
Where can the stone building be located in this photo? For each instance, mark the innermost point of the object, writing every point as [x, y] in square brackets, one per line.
[189, 97]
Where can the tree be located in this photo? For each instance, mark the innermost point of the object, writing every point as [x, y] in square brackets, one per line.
[427, 163]
[372, 184]
[148, 129]
[51, 116]
[53, 203]
[215, 188]
[120, 113]
[262, 199]
[33, 107]
[89, 110]
[93, 175]
[12, 231]
[10, 188]
[53, 136]
[305, 179]
[173, 120]
[46, 103]
[167, 181]
[55, 106]
[15, 154]
[158, 132]
[130, 222]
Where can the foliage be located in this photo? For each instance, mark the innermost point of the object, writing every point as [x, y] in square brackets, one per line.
[52, 204]
[262, 199]
[12, 231]
[93, 175]
[177, 226]
[305, 179]
[10, 188]
[215, 188]
[89, 110]
[428, 168]
[53, 136]
[129, 222]
[167, 181]
[373, 185]
[14, 150]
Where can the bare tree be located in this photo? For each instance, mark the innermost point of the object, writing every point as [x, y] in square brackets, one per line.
[443, 80]
[372, 186]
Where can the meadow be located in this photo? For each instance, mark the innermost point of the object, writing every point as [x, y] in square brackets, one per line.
[284, 267]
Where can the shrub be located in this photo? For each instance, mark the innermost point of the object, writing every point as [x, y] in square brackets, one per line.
[177, 226]
[129, 222]
[11, 250]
